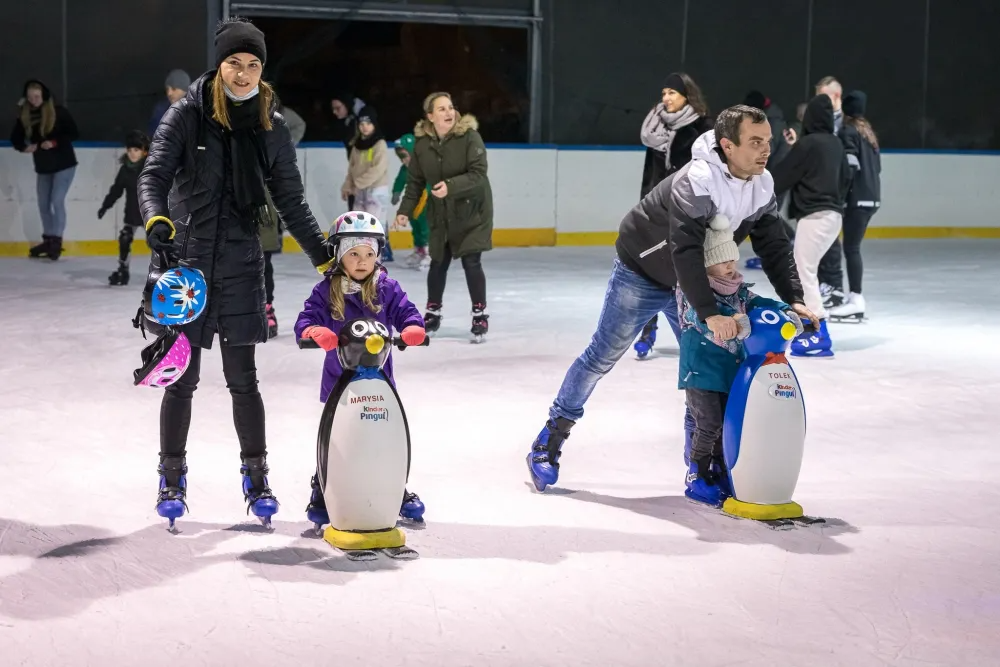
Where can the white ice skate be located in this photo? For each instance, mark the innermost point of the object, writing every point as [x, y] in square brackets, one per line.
[418, 261]
[852, 310]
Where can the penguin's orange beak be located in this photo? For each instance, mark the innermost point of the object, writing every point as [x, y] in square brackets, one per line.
[374, 343]
[788, 331]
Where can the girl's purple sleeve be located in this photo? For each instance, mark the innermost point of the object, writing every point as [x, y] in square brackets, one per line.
[316, 309]
[402, 313]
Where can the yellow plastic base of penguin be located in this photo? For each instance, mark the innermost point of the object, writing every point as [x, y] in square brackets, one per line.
[348, 540]
[791, 510]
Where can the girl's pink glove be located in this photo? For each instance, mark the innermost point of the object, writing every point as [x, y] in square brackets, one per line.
[325, 338]
[413, 335]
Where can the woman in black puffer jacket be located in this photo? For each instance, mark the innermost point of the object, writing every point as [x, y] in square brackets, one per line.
[203, 197]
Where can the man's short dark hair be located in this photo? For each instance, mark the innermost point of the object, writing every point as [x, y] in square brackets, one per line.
[727, 123]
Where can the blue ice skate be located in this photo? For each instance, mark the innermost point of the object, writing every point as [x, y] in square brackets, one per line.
[316, 510]
[753, 264]
[412, 508]
[644, 345]
[815, 344]
[256, 492]
[717, 466]
[702, 485]
[171, 501]
[543, 459]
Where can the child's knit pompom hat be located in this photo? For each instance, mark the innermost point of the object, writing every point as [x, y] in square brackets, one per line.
[719, 244]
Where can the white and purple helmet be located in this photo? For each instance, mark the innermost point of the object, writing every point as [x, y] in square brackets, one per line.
[356, 228]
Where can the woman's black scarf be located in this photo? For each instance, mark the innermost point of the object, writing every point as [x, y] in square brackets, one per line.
[248, 161]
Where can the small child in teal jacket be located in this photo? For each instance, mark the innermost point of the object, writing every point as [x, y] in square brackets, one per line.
[708, 364]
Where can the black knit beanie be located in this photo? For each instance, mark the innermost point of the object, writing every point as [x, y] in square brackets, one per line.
[237, 35]
[756, 99]
[675, 82]
[854, 104]
[368, 115]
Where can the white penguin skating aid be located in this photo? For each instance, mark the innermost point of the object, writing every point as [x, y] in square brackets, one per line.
[763, 434]
[363, 447]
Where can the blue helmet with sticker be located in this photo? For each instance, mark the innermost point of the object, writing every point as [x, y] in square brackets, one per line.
[179, 296]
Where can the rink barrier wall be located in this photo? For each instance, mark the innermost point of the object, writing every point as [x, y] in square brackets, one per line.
[544, 195]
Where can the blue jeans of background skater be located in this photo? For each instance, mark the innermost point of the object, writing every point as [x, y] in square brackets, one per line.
[629, 302]
[52, 190]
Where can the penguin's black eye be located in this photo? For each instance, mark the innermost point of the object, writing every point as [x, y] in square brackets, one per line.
[360, 329]
[380, 329]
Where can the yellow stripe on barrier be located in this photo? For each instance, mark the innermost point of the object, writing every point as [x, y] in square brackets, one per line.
[508, 238]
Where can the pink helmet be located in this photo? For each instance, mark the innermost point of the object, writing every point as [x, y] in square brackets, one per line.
[164, 360]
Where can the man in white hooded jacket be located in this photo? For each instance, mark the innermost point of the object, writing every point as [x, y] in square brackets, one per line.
[661, 245]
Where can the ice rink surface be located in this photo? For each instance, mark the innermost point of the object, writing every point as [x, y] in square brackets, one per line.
[612, 567]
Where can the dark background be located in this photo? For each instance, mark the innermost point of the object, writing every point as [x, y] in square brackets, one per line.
[930, 67]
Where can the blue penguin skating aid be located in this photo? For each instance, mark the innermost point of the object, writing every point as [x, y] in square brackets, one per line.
[764, 430]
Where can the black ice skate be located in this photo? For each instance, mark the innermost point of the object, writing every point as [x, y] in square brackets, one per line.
[832, 297]
[120, 276]
[480, 322]
[432, 318]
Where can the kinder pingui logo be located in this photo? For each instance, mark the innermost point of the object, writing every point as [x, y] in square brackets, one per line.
[372, 413]
[784, 392]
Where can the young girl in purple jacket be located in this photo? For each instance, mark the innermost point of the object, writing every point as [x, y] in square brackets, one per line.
[357, 287]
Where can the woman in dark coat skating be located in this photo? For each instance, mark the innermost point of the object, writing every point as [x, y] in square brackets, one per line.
[203, 197]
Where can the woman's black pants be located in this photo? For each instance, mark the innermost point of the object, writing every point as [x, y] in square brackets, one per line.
[475, 277]
[240, 370]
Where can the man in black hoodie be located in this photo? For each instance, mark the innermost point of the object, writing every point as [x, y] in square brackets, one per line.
[817, 174]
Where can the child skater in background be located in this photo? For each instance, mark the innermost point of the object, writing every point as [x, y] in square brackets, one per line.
[132, 162]
[709, 364]
[356, 287]
[419, 259]
[368, 172]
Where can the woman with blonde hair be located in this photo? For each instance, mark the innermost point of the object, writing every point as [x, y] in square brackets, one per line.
[450, 157]
[203, 195]
[46, 131]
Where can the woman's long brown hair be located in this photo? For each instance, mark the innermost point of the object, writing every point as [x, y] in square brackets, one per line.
[694, 95]
[864, 128]
[48, 121]
[220, 112]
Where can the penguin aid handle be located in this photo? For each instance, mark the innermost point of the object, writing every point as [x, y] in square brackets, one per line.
[743, 324]
[310, 344]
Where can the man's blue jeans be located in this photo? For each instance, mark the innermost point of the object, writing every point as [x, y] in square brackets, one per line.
[630, 302]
